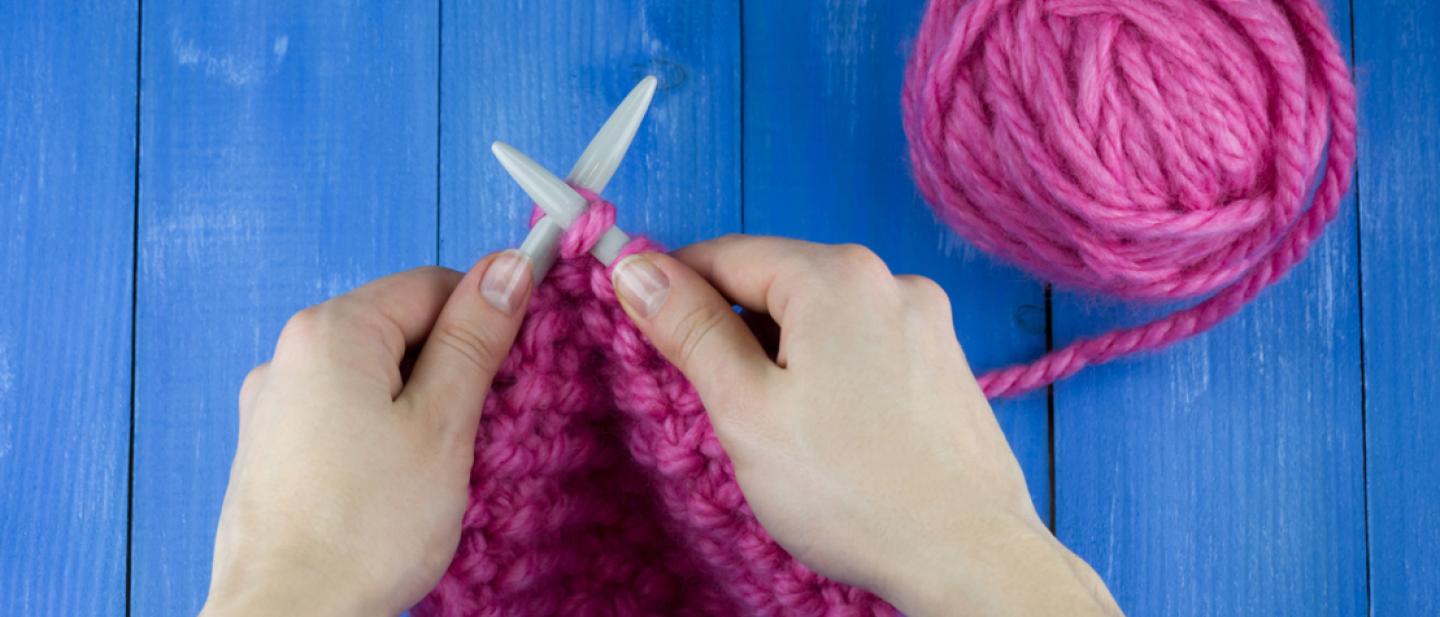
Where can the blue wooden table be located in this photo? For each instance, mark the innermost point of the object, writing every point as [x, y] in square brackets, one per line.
[179, 177]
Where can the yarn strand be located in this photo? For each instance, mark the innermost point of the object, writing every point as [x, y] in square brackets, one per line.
[1147, 149]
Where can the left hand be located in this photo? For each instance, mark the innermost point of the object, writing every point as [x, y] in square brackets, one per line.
[350, 480]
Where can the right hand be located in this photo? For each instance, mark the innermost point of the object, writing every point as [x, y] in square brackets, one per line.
[860, 438]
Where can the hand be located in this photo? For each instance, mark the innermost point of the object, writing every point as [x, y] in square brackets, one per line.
[349, 480]
[860, 440]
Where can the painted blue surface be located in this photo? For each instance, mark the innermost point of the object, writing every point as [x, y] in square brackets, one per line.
[1281, 464]
[1397, 47]
[681, 180]
[287, 154]
[825, 161]
[67, 169]
[1225, 475]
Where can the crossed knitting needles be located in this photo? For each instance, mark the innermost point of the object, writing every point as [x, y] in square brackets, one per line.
[596, 166]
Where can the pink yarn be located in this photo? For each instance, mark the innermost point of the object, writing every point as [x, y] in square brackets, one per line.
[1148, 149]
[599, 487]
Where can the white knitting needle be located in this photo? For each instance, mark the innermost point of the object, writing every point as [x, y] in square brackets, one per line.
[556, 198]
[597, 164]
[594, 169]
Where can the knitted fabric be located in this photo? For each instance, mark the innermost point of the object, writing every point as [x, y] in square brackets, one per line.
[599, 487]
[1147, 149]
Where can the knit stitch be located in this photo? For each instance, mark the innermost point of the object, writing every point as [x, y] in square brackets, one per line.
[1147, 149]
[599, 487]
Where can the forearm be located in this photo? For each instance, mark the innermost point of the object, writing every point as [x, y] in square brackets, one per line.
[291, 589]
[270, 601]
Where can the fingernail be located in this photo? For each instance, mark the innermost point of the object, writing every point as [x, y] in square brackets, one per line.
[641, 285]
[506, 281]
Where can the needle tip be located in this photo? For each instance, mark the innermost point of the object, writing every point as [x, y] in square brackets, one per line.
[552, 195]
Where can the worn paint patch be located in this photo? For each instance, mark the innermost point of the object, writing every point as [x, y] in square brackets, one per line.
[234, 69]
[7, 371]
[7, 384]
[197, 233]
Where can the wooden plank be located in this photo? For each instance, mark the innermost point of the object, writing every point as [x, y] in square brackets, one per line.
[67, 169]
[288, 154]
[825, 160]
[544, 82]
[1223, 476]
[1398, 50]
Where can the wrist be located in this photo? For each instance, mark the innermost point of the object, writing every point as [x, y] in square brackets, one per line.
[1013, 566]
[265, 602]
[251, 592]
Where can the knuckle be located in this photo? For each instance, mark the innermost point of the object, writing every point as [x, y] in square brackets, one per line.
[926, 293]
[315, 328]
[729, 238]
[253, 380]
[470, 342]
[435, 274]
[858, 259]
[854, 253]
[307, 325]
[692, 330]
[852, 270]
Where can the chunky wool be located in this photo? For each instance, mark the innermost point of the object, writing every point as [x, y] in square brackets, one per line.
[1146, 149]
[599, 487]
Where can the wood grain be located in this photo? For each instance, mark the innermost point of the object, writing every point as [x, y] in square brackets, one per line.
[825, 160]
[288, 154]
[545, 82]
[1223, 476]
[1398, 55]
[67, 169]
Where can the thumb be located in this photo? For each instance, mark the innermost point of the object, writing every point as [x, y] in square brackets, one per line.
[470, 340]
[693, 326]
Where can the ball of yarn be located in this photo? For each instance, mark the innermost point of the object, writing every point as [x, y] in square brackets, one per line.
[1145, 149]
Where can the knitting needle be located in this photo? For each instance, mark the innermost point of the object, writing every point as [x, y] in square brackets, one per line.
[593, 170]
[556, 198]
[597, 164]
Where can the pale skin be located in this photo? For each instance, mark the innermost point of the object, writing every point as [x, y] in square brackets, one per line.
[350, 476]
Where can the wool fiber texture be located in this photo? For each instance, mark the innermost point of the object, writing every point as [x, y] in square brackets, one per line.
[1156, 150]
[599, 488]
